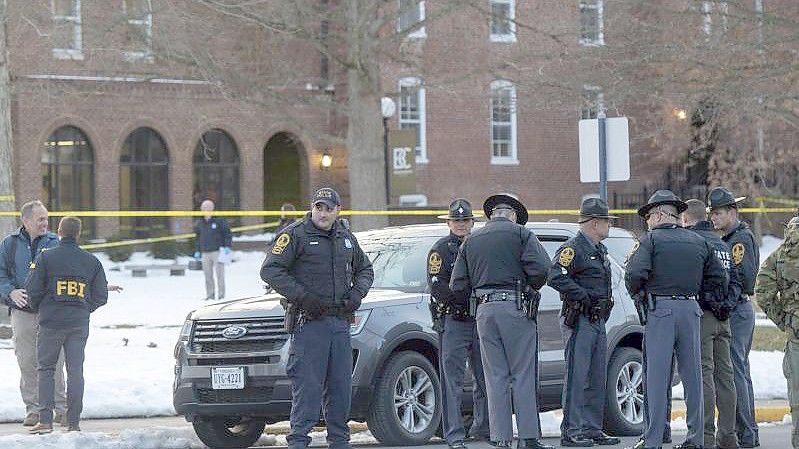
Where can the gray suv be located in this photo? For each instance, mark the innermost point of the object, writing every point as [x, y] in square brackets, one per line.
[230, 376]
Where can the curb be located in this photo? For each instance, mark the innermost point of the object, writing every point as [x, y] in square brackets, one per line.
[762, 414]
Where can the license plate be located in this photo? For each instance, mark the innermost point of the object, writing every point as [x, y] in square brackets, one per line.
[227, 378]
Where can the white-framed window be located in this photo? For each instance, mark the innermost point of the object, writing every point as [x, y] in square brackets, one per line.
[592, 22]
[412, 113]
[138, 30]
[411, 13]
[67, 36]
[503, 123]
[711, 8]
[503, 20]
[593, 101]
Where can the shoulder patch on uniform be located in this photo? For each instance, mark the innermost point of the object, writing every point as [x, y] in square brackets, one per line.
[566, 256]
[281, 243]
[434, 263]
[738, 251]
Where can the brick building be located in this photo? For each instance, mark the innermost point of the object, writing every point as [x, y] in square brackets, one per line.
[108, 114]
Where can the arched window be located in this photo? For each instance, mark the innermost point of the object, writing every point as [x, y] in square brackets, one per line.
[216, 171]
[144, 182]
[68, 174]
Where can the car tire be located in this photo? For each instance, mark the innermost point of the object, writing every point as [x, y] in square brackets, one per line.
[228, 433]
[414, 417]
[625, 393]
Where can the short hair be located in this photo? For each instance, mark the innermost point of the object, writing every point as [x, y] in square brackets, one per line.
[27, 209]
[696, 210]
[69, 227]
[669, 209]
[502, 210]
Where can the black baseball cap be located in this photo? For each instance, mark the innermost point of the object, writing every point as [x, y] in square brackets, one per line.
[328, 196]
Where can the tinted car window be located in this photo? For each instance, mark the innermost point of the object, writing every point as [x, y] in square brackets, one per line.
[399, 263]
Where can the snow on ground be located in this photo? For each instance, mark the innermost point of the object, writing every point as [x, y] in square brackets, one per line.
[768, 381]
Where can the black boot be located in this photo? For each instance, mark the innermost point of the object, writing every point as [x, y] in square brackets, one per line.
[577, 441]
[605, 440]
[531, 443]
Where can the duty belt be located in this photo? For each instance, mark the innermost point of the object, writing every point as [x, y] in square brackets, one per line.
[497, 296]
[677, 297]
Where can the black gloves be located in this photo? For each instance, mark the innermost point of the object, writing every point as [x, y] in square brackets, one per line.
[352, 301]
[312, 305]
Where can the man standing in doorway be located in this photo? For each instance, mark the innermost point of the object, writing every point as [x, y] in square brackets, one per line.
[213, 238]
[745, 259]
[17, 252]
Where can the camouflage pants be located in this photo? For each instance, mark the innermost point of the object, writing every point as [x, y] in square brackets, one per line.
[790, 367]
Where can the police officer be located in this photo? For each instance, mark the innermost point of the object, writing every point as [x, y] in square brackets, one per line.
[581, 273]
[777, 292]
[745, 258]
[672, 265]
[458, 333]
[318, 266]
[65, 285]
[496, 264]
[718, 385]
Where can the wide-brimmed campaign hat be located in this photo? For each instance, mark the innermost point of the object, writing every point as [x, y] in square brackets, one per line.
[721, 197]
[493, 201]
[660, 198]
[594, 208]
[460, 209]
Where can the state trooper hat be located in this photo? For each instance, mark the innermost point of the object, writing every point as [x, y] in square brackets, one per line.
[721, 197]
[493, 201]
[660, 198]
[594, 208]
[460, 209]
[328, 196]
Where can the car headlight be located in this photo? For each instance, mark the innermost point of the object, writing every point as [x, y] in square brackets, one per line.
[359, 321]
[185, 331]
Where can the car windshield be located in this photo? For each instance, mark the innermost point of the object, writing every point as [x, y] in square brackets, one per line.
[399, 263]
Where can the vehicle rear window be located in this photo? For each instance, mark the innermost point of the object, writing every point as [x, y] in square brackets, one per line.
[400, 263]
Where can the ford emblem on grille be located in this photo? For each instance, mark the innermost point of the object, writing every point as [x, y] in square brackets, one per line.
[232, 332]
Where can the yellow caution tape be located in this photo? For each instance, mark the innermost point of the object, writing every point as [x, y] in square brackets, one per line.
[171, 237]
[787, 201]
[6, 197]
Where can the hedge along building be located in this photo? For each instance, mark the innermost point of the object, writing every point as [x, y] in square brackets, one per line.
[155, 123]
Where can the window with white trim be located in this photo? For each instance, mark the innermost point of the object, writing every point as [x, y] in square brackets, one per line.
[138, 30]
[412, 113]
[503, 123]
[592, 23]
[67, 35]
[411, 13]
[593, 101]
[503, 20]
[711, 8]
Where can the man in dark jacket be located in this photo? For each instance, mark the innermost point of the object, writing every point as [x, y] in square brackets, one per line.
[718, 385]
[17, 252]
[65, 285]
[213, 240]
[318, 266]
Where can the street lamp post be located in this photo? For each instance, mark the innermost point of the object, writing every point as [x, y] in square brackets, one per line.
[388, 108]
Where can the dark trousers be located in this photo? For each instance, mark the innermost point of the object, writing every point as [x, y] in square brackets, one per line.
[320, 370]
[742, 328]
[49, 345]
[586, 376]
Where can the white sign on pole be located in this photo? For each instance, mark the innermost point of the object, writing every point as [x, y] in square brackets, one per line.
[617, 136]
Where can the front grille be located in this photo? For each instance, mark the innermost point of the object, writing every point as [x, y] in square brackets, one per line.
[246, 395]
[268, 360]
[263, 335]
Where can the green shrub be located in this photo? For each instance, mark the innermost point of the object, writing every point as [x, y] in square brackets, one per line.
[171, 249]
[118, 253]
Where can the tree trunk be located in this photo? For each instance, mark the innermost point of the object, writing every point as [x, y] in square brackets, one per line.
[7, 224]
[365, 157]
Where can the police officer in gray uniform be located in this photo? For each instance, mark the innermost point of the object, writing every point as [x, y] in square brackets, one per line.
[503, 264]
[581, 273]
[65, 284]
[672, 266]
[746, 259]
[459, 340]
[318, 266]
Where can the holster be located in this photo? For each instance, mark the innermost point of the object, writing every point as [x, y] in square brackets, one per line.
[291, 317]
[571, 313]
[473, 305]
[640, 307]
[437, 314]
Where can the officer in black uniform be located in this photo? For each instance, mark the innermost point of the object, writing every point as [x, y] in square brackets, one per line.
[65, 284]
[458, 332]
[582, 274]
[503, 264]
[672, 266]
[746, 260]
[318, 266]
